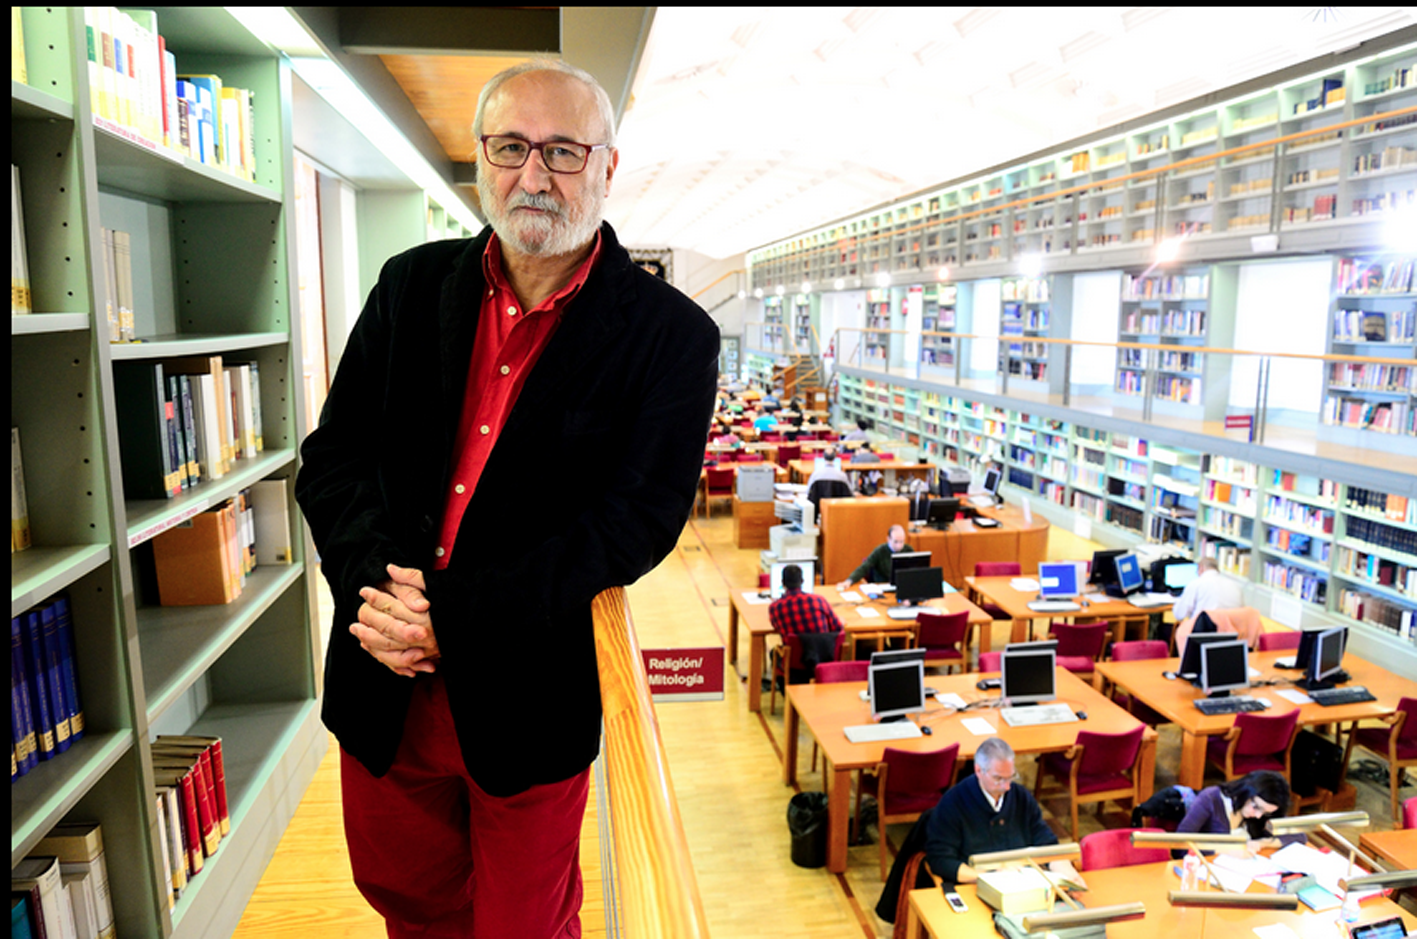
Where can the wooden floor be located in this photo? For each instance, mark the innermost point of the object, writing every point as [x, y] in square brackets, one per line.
[726, 770]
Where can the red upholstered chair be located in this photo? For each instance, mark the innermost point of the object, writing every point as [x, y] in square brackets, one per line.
[1289, 639]
[750, 458]
[1257, 741]
[885, 457]
[905, 783]
[718, 484]
[945, 639]
[771, 436]
[996, 569]
[1131, 652]
[1113, 848]
[1409, 813]
[1098, 767]
[1080, 645]
[828, 435]
[788, 452]
[990, 661]
[830, 672]
[1396, 743]
[764, 580]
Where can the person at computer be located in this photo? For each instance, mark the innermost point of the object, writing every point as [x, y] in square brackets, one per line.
[989, 811]
[765, 421]
[876, 569]
[1243, 805]
[803, 614]
[859, 433]
[864, 454]
[828, 466]
[1211, 590]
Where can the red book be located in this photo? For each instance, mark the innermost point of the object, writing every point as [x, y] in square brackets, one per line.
[217, 769]
[185, 780]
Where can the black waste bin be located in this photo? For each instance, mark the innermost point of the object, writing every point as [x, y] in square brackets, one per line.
[807, 823]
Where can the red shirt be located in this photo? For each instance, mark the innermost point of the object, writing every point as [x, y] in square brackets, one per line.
[504, 351]
[796, 612]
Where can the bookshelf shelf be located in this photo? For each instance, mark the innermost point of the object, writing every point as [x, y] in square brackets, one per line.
[175, 345]
[41, 572]
[148, 518]
[59, 784]
[35, 104]
[125, 166]
[39, 323]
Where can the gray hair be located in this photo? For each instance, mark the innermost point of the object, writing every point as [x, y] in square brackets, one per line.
[992, 751]
[602, 99]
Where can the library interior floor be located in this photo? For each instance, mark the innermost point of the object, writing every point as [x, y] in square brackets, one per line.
[725, 764]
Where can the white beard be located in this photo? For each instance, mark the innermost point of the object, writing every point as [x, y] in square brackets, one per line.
[563, 230]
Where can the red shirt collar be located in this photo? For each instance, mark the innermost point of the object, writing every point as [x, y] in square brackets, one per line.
[497, 278]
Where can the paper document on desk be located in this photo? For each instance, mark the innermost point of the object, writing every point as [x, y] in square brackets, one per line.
[867, 612]
[951, 700]
[1258, 868]
[1023, 584]
[851, 596]
[1295, 697]
[752, 598]
[1327, 869]
[978, 726]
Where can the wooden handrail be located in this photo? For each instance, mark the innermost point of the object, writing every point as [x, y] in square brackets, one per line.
[698, 293]
[653, 872]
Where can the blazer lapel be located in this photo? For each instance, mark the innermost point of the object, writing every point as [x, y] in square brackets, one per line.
[459, 304]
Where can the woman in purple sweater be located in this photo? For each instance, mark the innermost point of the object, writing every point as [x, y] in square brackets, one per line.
[1245, 804]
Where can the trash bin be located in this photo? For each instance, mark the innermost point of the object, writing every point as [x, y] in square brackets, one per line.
[807, 823]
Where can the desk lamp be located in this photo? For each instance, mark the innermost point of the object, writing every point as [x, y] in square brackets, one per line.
[1078, 915]
[1196, 841]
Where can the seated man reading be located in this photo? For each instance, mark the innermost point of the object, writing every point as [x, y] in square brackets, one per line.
[876, 569]
[808, 615]
[990, 811]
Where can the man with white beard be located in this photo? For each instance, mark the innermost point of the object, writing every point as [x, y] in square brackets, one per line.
[461, 677]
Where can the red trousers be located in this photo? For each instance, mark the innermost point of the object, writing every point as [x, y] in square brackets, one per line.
[441, 859]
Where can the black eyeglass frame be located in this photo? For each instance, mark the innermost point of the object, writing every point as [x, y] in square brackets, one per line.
[541, 146]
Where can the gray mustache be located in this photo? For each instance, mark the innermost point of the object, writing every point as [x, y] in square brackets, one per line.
[536, 200]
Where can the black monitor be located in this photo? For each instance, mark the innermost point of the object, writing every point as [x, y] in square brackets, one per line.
[908, 560]
[1029, 674]
[942, 513]
[1104, 567]
[992, 477]
[1224, 666]
[895, 683]
[917, 584]
[1191, 657]
[1322, 651]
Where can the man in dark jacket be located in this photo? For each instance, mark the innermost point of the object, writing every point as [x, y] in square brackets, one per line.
[461, 675]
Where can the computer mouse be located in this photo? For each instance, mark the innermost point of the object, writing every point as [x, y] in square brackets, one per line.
[984, 684]
[1082, 715]
[926, 730]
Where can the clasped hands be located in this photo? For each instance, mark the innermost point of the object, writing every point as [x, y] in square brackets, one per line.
[394, 624]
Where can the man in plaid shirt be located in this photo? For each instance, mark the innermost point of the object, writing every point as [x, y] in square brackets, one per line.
[796, 612]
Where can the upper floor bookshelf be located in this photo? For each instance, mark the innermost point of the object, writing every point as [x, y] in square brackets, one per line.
[1374, 313]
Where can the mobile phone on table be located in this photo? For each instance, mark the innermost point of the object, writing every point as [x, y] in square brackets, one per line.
[956, 901]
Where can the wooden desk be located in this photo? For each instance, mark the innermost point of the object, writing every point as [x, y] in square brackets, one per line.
[755, 616]
[1397, 848]
[826, 709]
[1148, 883]
[1098, 606]
[802, 469]
[1174, 700]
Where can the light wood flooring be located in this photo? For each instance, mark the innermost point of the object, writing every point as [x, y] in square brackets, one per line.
[726, 769]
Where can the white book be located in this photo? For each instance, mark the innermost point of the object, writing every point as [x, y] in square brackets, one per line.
[79, 848]
[160, 806]
[270, 503]
[248, 414]
[21, 303]
[79, 884]
[44, 872]
[19, 505]
[232, 379]
[123, 285]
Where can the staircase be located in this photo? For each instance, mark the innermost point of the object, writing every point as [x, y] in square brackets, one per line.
[804, 377]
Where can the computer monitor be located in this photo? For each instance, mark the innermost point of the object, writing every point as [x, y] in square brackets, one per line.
[1104, 568]
[1175, 577]
[895, 683]
[918, 584]
[1028, 674]
[1057, 580]
[992, 477]
[1304, 655]
[809, 576]
[1191, 656]
[908, 560]
[1326, 660]
[1225, 666]
[942, 513]
[1129, 576]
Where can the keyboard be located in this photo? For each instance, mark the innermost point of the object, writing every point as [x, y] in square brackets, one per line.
[981, 502]
[1033, 715]
[1146, 601]
[1054, 606]
[875, 733]
[1353, 694]
[903, 612]
[1231, 705]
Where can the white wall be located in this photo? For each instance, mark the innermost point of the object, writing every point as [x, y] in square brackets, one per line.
[694, 272]
[339, 257]
[984, 353]
[844, 309]
[1096, 313]
[1282, 306]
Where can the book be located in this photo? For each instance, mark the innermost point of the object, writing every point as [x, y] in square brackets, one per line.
[123, 285]
[22, 725]
[110, 294]
[38, 685]
[18, 71]
[189, 771]
[21, 302]
[193, 566]
[19, 504]
[213, 765]
[79, 886]
[141, 408]
[215, 405]
[56, 919]
[21, 918]
[184, 782]
[170, 874]
[79, 848]
[54, 676]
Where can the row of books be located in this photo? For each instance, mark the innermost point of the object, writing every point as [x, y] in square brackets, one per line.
[1231, 558]
[1028, 289]
[1310, 486]
[1401, 77]
[1292, 580]
[1387, 537]
[60, 890]
[19, 504]
[1236, 471]
[118, 302]
[1178, 388]
[1353, 377]
[1240, 496]
[1356, 276]
[1375, 325]
[138, 93]
[1392, 617]
[191, 804]
[1384, 417]
[1386, 202]
[1281, 511]
[1389, 506]
[1299, 545]
[184, 421]
[1227, 523]
[1125, 517]
[1377, 570]
[21, 302]
[46, 713]
[1385, 159]
[205, 560]
[1331, 92]
[1090, 506]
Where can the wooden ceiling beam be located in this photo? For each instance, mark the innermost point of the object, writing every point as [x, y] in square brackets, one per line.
[496, 31]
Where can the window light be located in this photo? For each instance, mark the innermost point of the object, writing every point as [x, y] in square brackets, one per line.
[1167, 250]
[1030, 265]
[806, 286]
[883, 279]
[839, 283]
[944, 273]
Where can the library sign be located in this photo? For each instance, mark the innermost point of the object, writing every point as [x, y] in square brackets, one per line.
[684, 674]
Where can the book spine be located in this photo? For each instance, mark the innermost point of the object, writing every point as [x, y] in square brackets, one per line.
[38, 688]
[49, 636]
[22, 727]
[68, 667]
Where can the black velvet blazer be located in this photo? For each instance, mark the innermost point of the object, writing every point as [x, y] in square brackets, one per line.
[588, 487]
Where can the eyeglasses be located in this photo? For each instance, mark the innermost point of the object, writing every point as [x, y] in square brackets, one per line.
[1002, 780]
[560, 156]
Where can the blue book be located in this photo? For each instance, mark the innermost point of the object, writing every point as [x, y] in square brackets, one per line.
[49, 636]
[68, 668]
[38, 687]
[21, 724]
[20, 918]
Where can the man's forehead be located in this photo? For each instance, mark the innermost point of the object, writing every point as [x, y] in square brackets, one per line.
[547, 91]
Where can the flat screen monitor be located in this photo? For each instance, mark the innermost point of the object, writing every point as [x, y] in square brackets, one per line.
[895, 683]
[1225, 666]
[809, 575]
[1304, 655]
[1191, 657]
[908, 560]
[1129, 576]
[1028, 675]
[1104, 568]
[1057, 580]
[992, 477]
[942, 512]
[1177, 577]
[918, 584]
[1327, 658]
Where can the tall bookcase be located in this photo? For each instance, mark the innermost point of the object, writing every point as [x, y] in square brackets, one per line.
[215, 258]
[1374, 314]
[1026, 313]
[938, 315]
